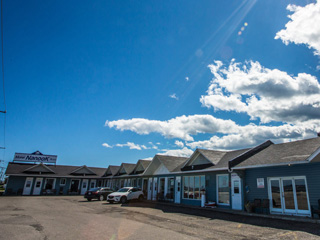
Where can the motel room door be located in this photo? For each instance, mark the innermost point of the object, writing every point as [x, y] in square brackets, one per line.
[177, 195]
[27, 186]
[84, 186]
[37, 186]
[236, 192]
[155, 189]
[150, 189]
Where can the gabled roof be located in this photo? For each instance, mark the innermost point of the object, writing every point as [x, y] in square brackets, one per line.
[59, 170]
[84, 170]
[111, 170]
[127, 168]
[202, 158]
[302, 151]
[39, 168]
[141, 166]
[171, 163]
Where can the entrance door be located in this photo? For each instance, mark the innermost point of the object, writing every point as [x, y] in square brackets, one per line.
[27, 186]
[145, 187]
[177, 194]
[84, 186]
[289, 195]
[37, 186]
[93, 184]
[74, 186]
[155, 188]
[236, 192]
[150, 189]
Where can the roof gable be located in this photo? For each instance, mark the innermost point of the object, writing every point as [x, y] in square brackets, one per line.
[84, 170]
[126, 168]
[111, 171]
[161, 170]
[141, 166]
[39, 168]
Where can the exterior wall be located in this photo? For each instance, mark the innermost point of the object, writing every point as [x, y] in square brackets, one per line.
[15, 183]
[310, 171]
[211, 189]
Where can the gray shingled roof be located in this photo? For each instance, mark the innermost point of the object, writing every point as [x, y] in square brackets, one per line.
[60, 170]
[212, 155]
[172, 163]
[145, 163]
[290, 152]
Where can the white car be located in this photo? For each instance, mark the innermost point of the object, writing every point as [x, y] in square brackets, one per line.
[125, 194]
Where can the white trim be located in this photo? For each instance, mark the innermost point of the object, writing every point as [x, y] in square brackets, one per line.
[63, 184]
[313, 155]
[193, 186]
[217, 189]
[53, 185]
[270, 165]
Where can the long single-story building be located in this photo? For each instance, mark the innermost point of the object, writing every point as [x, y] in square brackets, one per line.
[284, 178]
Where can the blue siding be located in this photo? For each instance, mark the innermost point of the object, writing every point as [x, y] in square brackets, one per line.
[311, 171]
[15, 183]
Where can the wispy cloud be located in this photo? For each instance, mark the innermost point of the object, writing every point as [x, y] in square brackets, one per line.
[132, 145]
[187, 79]
[106, 145]
[184, 152]
[174, 96]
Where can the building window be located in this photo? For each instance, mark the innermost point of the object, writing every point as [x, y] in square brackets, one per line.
[223, 189]
[63, 181]
[192, 186]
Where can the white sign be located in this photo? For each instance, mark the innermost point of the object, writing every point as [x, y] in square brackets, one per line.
[234, 175]
[260, 182]
[35, 157]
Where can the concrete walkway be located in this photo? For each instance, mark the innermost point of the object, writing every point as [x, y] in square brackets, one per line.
[243, 213]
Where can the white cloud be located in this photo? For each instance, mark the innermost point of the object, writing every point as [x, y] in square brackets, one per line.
[132, 145]
[304, 27]
[179, 143]
[181, 127]
[187, 79]
[184, 152]
[267, 94]
[174, 96]
[106, 145]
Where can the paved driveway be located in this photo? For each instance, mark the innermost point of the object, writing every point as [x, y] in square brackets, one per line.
[74, 218]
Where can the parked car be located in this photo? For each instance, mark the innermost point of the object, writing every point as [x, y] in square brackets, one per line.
[125, 194]
[99, 193]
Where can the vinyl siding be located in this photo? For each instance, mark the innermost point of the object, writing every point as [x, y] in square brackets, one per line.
[310, 170]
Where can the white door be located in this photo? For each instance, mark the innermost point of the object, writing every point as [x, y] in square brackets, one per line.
[150, 189]
[37, 186]
[236, 192]
[177, 194]
[155, 189]
[27, 186]
[93, 184]
[84, 186]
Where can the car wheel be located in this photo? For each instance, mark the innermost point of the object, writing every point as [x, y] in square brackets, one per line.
[140, 198]
[101, 197]
[123, 200]
[89, 199]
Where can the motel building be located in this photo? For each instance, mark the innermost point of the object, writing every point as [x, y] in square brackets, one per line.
[273, 178]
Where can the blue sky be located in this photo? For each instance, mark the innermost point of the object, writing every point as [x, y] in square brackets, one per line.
[106, 82]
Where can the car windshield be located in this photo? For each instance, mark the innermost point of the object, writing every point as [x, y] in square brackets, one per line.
[123, 190]
[94, 189]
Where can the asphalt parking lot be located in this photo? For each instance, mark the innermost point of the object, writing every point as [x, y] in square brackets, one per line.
[72, 217]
